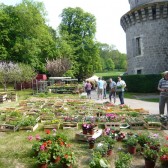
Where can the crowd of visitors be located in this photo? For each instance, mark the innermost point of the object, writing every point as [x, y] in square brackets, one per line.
[101, 87]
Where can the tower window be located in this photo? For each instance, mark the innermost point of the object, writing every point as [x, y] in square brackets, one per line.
[139, 71]
[138, 46]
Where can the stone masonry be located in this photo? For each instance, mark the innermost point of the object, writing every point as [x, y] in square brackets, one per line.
[146, 27]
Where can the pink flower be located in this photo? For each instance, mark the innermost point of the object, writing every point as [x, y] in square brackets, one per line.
[38, 137]
[30, 137]
[42, 147]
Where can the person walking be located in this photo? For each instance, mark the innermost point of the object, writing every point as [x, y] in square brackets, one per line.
[100, 84]
[104, 89]
[120, 89]
[163, 88]
[112, 92]
[88, 89]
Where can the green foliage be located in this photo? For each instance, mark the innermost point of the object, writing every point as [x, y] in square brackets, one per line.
[25, 36]
[131, 141]
[112, 58]
[150, 154]
[43, 157]
[140, 83]
[78, 29]
[123, 161]
[98, 162]
[143, 139]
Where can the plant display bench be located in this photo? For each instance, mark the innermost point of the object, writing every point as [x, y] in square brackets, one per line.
[153, 125]
[84, 137]
[135, 123]
[51, 126]
[31, 128]
[8, 128]
[70, 125]
[113, 125]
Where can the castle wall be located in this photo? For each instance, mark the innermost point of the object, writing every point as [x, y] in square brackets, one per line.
[147, 28]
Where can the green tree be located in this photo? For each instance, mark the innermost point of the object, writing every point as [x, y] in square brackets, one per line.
[110, 64]
[25, 36]
[78, 29]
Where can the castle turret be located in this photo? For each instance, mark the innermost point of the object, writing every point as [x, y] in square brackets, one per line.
[146, 27]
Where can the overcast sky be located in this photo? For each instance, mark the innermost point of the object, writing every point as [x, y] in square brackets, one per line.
[107, 13]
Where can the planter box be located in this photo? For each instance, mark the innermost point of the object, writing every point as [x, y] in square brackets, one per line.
[153, 125]
[8, 128]
[51, 126]
[112, 125]
[70, 125]
[31, 128]
[84, 137]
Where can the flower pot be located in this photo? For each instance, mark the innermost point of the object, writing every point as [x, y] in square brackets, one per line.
[132, 149]
[149, 164]
[85, 131]
[91, 131]
[109, 152]
[91, 145]
[43, 165]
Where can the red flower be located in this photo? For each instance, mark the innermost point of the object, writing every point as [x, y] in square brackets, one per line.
[66, 156]
[164, 158]
[47, 131]
[166, 137]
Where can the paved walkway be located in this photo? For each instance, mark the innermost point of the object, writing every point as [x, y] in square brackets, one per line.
[152, 107]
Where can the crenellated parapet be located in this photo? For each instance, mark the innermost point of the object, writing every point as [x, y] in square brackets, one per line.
[143, 13]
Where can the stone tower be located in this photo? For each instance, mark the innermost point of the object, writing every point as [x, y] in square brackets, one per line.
[146, 27]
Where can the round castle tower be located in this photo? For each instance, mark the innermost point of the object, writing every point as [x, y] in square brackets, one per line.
[146, 27]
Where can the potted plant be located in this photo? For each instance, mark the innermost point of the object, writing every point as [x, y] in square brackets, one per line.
[43, 159]
[102, 148]
[85, 128]
[36, 147]
[68, 159]
[56, 152]
[150, 157]
[98, 162]
[143, 139]
[124, 160]
[110, 142]
[163, 156]
[131, 143]
[91, 127]
[91, 142]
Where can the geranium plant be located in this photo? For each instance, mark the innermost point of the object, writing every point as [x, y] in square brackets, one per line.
[132, 141]
[43, 157]
[150, 154]
[68, 158]
[163, 154]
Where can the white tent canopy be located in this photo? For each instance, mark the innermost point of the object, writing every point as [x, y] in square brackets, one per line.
[93, 78]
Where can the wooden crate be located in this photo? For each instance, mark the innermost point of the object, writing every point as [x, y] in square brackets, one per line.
[153, 125]
[112, 125]
[8, 128]
[84, 137]
[31, 128]
[51, 126]
[70, 125]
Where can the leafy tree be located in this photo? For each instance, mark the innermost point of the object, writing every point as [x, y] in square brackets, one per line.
[108, 53]
[110, 64]
[25, 74]
[25, 36]
[78, 29]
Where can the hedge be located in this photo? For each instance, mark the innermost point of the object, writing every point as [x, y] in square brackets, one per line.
[139, 83]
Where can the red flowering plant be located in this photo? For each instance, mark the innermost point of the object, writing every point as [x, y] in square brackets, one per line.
[68, 157]
[163, 154]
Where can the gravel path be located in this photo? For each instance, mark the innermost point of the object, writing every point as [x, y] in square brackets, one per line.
[152, 107]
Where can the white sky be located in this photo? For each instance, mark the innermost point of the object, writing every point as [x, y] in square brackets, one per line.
[107, 13]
